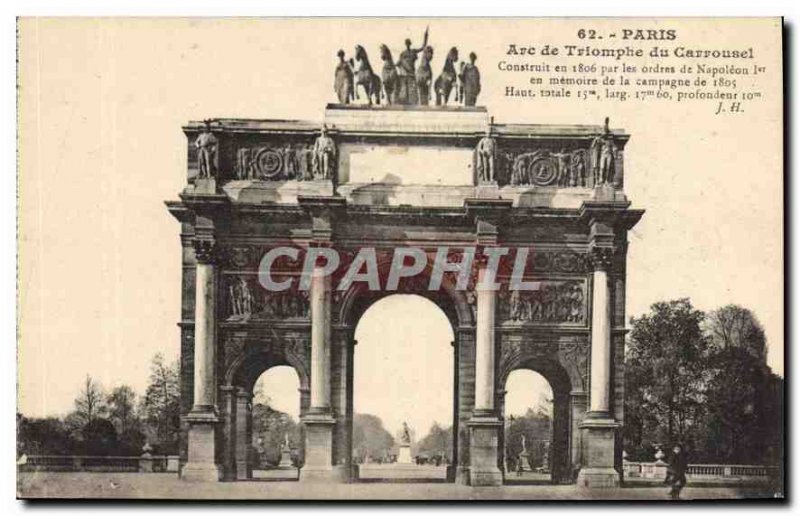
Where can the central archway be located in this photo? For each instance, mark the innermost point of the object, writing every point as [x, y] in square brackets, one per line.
[348, 309]
[399, 337]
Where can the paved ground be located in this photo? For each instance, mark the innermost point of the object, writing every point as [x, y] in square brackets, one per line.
[167, 485]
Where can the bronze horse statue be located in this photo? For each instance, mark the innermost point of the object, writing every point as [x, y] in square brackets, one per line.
[389, 75]
[444, 83]
[366, 78]
[424, 76]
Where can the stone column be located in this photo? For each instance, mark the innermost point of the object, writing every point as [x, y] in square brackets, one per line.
[320, 341]
[598, 429]
[242, 437]
[484, 424]
[202, 419]
[341, 400]
[228, 432]
[601, 342]
[318, 420]
[484, 348]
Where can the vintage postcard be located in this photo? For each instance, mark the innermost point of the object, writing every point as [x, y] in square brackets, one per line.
[400, 258]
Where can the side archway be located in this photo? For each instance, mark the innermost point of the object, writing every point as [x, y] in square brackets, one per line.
[558, 379]
[247, 356]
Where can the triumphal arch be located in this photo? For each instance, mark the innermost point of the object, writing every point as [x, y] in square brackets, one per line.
[541, 206]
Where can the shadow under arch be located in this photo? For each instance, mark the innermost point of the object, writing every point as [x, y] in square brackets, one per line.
[555, 375]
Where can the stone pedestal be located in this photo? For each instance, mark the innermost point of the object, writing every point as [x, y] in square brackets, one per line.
[146, 463]
[404, 454]
[201, 465]
[487, 191]
[598, 435]
[483, 470]
[286, 459]
[205, 185]
[607, 193]
[318, 466]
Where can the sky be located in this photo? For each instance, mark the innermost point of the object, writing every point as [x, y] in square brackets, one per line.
[101, 107]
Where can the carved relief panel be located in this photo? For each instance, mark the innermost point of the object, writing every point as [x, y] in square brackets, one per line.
[246, 299]
[544, 167]
[275, 162]
[553, 302]
[246, 354]
[583, 163]
[573, 353]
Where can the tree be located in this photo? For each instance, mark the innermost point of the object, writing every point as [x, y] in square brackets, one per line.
[536, 427]
[666, 376]
[122, 414]
[742, 422]
[99, 438]
[270, 429]
[43, 436]
[734, 327]
[161, 405]
[437, 443]
[90, 404]
[370, 438]
[121, 408]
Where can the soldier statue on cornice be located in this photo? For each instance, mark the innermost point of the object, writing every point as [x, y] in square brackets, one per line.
[604, 153]
[324, 157]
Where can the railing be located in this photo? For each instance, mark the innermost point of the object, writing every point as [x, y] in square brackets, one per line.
[657, 471]
[97, 463]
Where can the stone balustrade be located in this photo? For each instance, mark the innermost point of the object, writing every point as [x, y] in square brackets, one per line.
[98, 463]
[722, 473]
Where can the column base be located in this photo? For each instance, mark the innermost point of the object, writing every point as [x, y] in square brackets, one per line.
[242, 471]
[598, 478]
[318, 465]
[483, 470]
[201, 472]
[598, 433]
[461, 475]
[201, 463]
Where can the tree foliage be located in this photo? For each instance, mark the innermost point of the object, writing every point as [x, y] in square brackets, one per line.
[437, 443]
[271, 428]
[370, 439]
[110, 423]
[161, 406]
[90, 403]
[536, 426]
[702, 381]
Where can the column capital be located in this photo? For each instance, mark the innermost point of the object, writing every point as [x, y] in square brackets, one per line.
[243, 393]
[601, 258]
[206, 250]
[481, 260]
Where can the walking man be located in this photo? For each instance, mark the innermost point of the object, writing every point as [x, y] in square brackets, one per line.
[676, 472]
